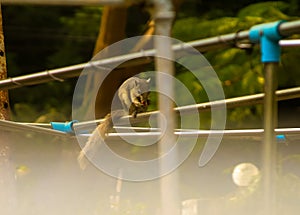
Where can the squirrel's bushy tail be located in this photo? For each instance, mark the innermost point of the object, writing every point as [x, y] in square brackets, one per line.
[98, 136]
[108, 123]
[94, 139]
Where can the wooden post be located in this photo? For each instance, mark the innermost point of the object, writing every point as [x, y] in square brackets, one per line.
[7, 185]
[4, 103]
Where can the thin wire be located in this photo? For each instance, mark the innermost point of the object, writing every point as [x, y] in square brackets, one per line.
[15, 82]
[55, 78]
[248, 47]
[97, 67]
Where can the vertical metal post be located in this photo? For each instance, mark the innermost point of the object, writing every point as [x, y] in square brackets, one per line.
[268, 36]
[269, 160]
[164, 16]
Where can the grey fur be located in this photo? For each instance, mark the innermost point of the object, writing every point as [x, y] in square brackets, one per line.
[133, 94]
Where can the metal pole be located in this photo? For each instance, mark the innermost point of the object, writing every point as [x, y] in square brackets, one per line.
[289, 43]
[203, 45]
[61, 74]
[6, 125]
[289, 28]
[269, 142]
[269, 35]
[21, 127]
[286, 94]
[164, 63]
[281, 95]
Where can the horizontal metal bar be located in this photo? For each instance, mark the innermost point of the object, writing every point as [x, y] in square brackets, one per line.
[184, 132]
[61, 74]
[289, 28]
[230, 103]
[285, 94]
[243, 100]
[217, 42]
[205, 133]
[222, 41]
[63, 2]
[18, 127]
[153, 132]
[289, 43]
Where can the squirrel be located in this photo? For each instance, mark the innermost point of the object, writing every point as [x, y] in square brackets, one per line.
[134, 97]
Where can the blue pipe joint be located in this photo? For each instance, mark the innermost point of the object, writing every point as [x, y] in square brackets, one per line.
[280, 138]
[66, 127]
[268, 36]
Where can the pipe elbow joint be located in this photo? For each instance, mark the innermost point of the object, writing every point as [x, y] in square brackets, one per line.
[268, 36]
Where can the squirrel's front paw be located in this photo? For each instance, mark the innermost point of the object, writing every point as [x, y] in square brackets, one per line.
[134, 114]
[137, 104]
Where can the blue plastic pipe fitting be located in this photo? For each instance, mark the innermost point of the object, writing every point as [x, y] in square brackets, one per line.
[66, 127]
[280, 138]
[268, 36]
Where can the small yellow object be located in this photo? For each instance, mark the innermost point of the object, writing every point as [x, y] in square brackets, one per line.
[261, 80]
[22, 170]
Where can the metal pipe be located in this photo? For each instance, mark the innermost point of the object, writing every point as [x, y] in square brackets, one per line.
[218, 42]
[61, 74]
[255, 99]
[164, 65]
[269, 142]
[289, 28]
[281, 95]
[289, 43]
[13, 126]
[256, 133]
[138, 58]
[285, 94]
[145, 132]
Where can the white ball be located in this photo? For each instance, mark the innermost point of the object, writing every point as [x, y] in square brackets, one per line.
[245, 174]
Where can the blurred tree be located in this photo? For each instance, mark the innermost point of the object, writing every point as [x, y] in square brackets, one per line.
[33, 33]
[80, 32]
[113, 29]
[4, 103]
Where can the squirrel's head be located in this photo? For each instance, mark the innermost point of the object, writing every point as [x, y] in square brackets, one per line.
[142, 87]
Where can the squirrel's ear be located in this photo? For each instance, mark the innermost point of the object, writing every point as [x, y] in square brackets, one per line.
[136, 83]
[148, 80]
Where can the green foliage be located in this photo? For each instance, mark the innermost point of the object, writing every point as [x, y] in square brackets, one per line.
[240, 72]
[288, 75]
[38, 38]
[78, 44]
[267, 11]
[42, 102]
[188, 29]
[20, 109]
[31, 35]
